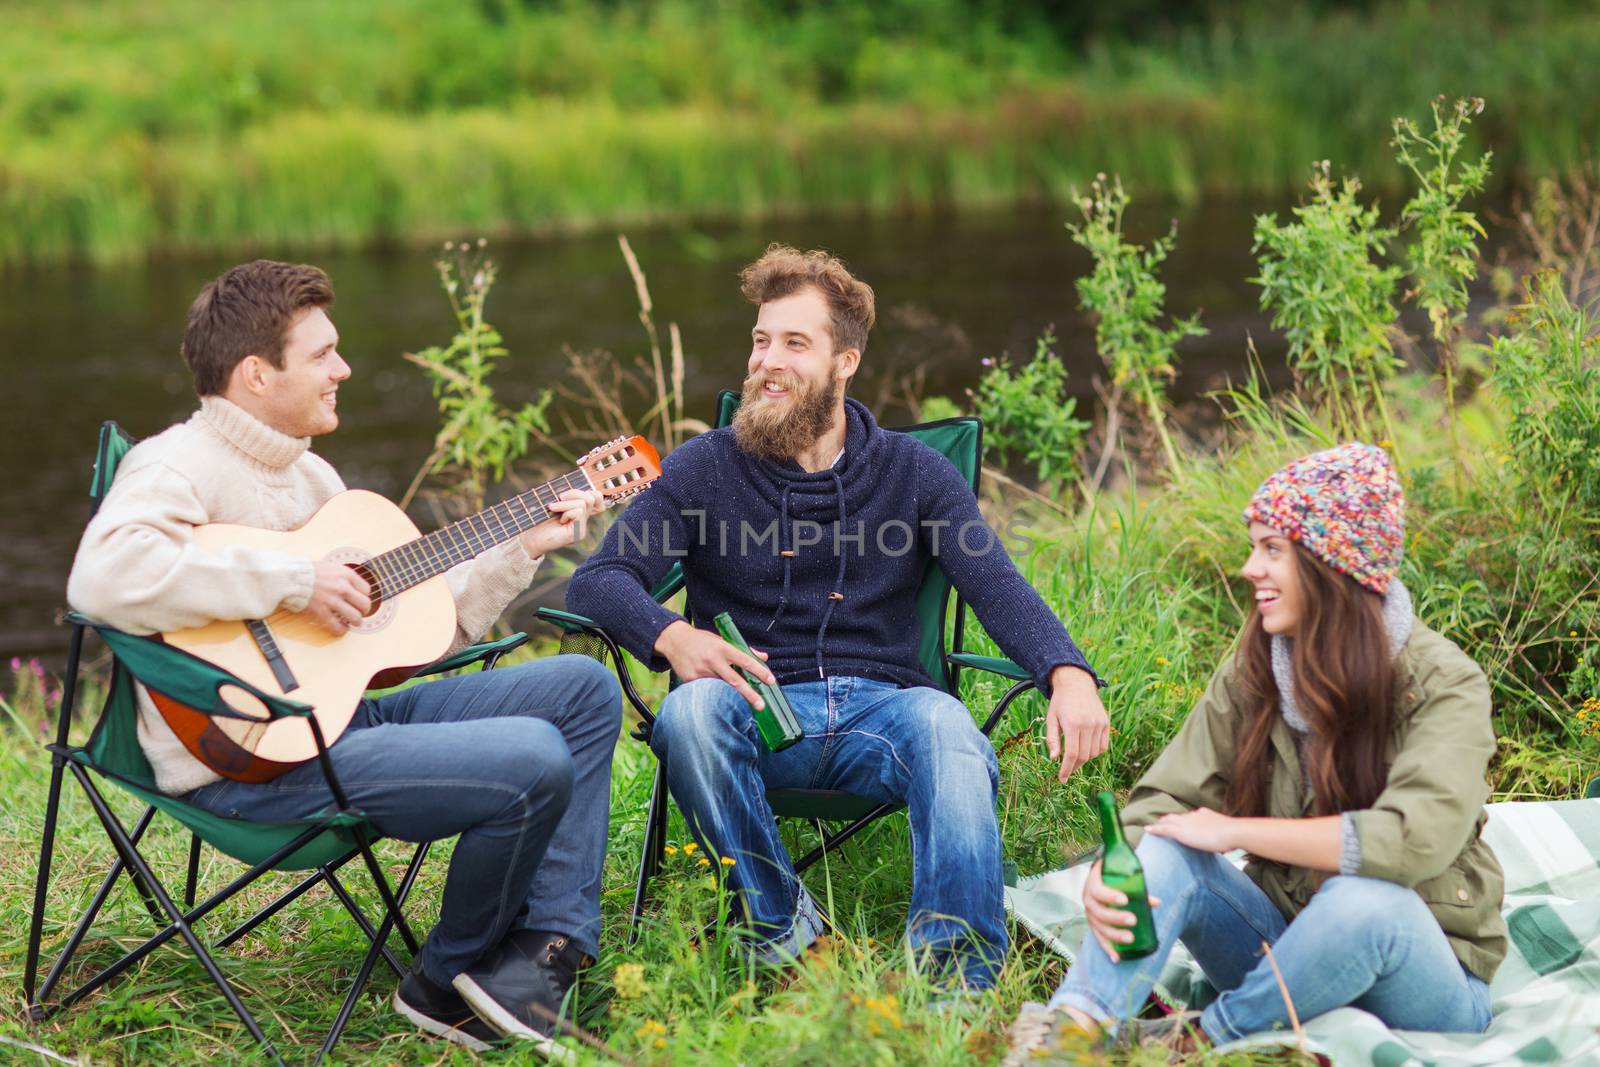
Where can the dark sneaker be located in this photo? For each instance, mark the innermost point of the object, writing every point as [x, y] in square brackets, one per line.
[440, 1011]
[520, 988]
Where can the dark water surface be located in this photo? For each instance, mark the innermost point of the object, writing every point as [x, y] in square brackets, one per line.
[83, 345]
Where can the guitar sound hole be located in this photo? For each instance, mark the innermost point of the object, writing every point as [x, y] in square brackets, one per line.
[382, 611]
[365, 574]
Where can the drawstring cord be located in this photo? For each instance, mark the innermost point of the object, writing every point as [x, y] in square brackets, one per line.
[837, 594]
[787, 553]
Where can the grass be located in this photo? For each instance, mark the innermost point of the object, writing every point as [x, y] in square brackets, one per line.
[1144, 579]
[133, 128]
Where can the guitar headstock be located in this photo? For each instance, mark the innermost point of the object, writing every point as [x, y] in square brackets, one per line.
[622, 467]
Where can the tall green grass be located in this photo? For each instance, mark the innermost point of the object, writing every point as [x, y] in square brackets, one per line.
[131, 128]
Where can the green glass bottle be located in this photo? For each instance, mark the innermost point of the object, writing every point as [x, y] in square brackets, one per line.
[1121, 870]
[775, 720]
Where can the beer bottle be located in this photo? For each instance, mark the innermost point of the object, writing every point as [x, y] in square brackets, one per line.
[1121, 870]
[775, 720]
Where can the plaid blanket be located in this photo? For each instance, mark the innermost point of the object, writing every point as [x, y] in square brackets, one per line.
[1546, 996]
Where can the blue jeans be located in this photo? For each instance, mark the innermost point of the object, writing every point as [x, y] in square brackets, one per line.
[517, 761]
[1360, 941]
[917, 747]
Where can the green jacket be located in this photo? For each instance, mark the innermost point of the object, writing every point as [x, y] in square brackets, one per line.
[1424, 829]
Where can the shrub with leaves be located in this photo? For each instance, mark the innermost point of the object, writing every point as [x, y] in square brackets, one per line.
[1443, 255]
[478, 439]
[1026, 412]
[1128, 300]
[1322, 281]
[1548, 369]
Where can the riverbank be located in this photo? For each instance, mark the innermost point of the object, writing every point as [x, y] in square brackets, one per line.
[189, 128]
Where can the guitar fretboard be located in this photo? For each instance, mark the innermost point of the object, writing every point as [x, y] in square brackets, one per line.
[415, 562]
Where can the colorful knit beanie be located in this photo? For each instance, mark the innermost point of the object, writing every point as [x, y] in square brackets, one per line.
[1344, 505]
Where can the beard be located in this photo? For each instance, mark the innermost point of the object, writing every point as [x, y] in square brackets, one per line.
[779, 430]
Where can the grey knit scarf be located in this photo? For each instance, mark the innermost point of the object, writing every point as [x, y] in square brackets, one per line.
[1397, 620]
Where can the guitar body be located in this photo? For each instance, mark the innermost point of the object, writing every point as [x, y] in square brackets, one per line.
[411, 625]
[404, 633]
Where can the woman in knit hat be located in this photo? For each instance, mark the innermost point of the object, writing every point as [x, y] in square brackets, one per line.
[1342, 747]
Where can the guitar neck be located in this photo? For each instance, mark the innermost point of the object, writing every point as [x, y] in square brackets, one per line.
[415, 562]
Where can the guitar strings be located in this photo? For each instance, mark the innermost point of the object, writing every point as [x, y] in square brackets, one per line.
[394, 571]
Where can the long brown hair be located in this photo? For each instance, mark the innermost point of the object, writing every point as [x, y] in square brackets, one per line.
[1344, 688]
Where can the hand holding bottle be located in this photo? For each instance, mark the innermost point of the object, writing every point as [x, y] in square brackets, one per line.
[1105, 908]
[1115, 898]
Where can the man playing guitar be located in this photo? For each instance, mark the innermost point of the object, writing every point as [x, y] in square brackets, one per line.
[516, 761]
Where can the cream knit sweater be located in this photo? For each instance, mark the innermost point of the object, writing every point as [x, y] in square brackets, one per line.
[138, 568]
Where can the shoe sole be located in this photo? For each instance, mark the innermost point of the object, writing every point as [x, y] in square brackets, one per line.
[437, 1028]
[508, 1025]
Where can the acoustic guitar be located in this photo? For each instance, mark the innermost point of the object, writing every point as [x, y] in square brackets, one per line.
[411, 624]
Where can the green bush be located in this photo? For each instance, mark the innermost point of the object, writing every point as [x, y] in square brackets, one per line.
[1027, 413]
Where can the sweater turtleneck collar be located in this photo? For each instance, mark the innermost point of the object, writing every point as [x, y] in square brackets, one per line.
[251, 436]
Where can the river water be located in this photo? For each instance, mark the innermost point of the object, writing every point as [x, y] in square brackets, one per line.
[84, 345]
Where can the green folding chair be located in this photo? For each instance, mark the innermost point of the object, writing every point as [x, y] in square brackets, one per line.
[320, 845]
[961, 441]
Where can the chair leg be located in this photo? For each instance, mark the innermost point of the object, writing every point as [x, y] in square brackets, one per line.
[652, 851]
[170, 930]
[35, 1007]
[194, 871]
[41, 886]
[362, 921]
[378, 945]
[58, 764]
[387, 894]
[834, 840]
[138, 866]
[278, 905]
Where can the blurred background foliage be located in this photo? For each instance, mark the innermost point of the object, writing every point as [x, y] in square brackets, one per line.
[130, 127]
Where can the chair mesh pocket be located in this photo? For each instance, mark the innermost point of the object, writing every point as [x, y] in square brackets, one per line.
[584, 645]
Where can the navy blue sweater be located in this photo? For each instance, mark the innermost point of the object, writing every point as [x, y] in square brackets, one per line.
[763, 540]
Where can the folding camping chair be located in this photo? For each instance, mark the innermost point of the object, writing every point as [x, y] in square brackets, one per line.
[321, 845]
[961, 441]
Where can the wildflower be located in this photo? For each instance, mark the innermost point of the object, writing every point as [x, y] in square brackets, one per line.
[688, 850]
[1386, 443]
[887, 1009]
[1572, 633]
[704, 862]
[1161, 661]
[629, 981]
[671, 850]
[653, 1033]
[727, 861]
[986, 362]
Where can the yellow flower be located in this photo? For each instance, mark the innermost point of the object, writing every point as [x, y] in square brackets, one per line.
[704, 862]
[1161, 661]
[1572, 633]
[1386, 443]
[653, 1032]
[671, 850]
[727, 861]
[688, 850]
[628, 979]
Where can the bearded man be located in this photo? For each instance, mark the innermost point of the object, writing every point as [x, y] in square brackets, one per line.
[812, 526]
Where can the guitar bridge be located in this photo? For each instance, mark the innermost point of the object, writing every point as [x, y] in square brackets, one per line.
[262, 633]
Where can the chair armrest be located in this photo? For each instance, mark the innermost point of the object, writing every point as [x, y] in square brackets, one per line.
[569, 622]
[992, 664]
[473, 654]
[186, 678]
